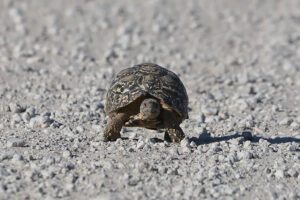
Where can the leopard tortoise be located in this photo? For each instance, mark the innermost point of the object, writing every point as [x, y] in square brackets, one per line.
[146, 95]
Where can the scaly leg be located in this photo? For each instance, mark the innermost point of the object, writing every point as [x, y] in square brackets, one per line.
[174, 135]
[173, 131]
[114, 126]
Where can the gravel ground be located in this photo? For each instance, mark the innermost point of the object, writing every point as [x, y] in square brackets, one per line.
[239, 61]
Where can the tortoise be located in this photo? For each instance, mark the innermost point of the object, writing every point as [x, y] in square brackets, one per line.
[146, 95]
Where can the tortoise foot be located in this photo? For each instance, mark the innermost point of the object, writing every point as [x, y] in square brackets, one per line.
[174, 135]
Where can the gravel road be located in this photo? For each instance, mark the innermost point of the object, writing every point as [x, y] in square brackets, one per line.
[239, 61]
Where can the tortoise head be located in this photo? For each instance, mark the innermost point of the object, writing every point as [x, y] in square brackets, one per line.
[150, 108]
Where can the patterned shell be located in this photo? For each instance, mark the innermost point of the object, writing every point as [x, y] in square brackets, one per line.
[143, 79]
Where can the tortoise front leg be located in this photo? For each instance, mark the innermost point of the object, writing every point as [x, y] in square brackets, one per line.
[174, 135]
[173, 131]
[114, 126]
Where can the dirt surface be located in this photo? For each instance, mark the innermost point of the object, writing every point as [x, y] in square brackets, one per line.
[239, 61]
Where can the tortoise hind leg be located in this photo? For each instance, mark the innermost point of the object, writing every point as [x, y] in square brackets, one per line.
[114, 126]
[173, 131]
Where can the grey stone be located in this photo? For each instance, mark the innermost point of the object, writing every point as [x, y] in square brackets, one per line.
[16, 118]
[5, 108]
[185, 143]
[80, 129]
[279, 173]
[295, 125]
[140, 144]
[67, 154]
[16, 142]
[286, 121]
[247, 144]
[69, 165]
[236, 141]
[292, 147]
[186, 150]
[16, 108]
[244, 155]
[39, 121]
[96, 106]
[292, 173]
[26, 116]
[208, 111]
[7, 155]
[143, 166]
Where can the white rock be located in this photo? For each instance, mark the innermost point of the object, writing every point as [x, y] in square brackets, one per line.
[16, 142]
[244, 155]
[16, 108]
[286, 121]
[39, 121]
[140, 144]
[26, 116]
[279, 173]
[295, 124]
[185, 143]
[16, 119]
[292, 147]
[186, 150]
[142, 166]
[16, 14]
[208, 110]
[292, 173]
[247, 144]
[193, 144]
[80, 129]
[67, 154]
[18, 159]
[242, 104]
[5, 108]
[7, 155]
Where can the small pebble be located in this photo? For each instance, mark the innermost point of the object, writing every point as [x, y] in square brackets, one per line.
[186, 150]
[295, 124]
[244, 155]
[143, 166]
[39, 121]
[16, 108]
[7, 155]
[80, 129]
[16, 142]
[69, 165]
[247, 144]
[185, 143]
[292, 173]
[209, 111]
[67, 154]
[140, 144]
[292, 147]
[279, 173]
[6, 108]
[286, 121]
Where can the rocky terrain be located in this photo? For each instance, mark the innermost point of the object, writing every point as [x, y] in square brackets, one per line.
[239, 61]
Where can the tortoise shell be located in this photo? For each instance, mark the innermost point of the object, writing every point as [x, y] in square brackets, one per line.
[147, 79]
